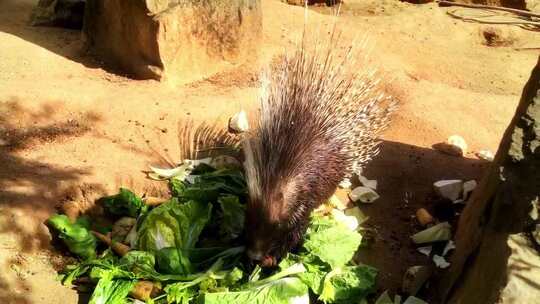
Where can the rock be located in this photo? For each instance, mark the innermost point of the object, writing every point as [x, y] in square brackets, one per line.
[485, 155]
[468, 187]
[414, 279]
[439, 232]
[177, 41]
[363, 194]
[60, 13]
[239, 122]
[440, 262]
[424, 217]
[450, 189]
[454, 145]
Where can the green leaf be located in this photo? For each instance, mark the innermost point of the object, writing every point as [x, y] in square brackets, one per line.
[138, 261]
[173, 225]
[233, 277]
[125, 203]
[76, 236]
[233, 216]
[348, 284]
[207, 187]
[179, 293]
[111, 291]
[334, 244]
[171, 260]
[282, 291]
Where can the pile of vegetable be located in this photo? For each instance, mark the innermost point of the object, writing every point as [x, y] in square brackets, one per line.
[188, 249]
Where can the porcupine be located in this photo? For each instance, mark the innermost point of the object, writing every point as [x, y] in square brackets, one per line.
[319, 122]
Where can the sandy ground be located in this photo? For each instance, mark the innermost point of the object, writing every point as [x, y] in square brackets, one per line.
[67, 126]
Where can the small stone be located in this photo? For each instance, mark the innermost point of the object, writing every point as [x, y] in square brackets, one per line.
[440, 262]
[468, 187]
[450, 189]
[424, 217]
[363, 194]
[454, 145]
[439, 232]
[485, 155]
[414, 279]
[239, 122]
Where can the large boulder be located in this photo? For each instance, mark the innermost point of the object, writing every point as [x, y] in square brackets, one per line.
[174, 40]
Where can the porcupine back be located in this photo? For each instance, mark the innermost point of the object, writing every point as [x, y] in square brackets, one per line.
[319, 122]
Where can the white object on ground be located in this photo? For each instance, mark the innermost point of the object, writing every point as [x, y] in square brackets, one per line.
[449, 246]
[468, 187]
[370, 183]
[439, 232]
[485, 155]
[450, 189]
[425, 250]
[239, 122]
[458, 144]
[440, 261]
[363, 194]
[345, 183]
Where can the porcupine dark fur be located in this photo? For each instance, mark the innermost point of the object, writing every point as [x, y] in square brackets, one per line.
[319, 122]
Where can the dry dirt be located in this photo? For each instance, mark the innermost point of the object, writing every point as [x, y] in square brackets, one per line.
[67, 123]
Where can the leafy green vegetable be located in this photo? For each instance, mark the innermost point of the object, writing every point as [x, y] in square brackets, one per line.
[207, 187]
[282, 291]
[171, 260]
[111, 291]
[334, 244]
[233, 216]
[179, 293]
[173, 225]
[76, 235]
[124, 203]
[138, 261]
[348, 283]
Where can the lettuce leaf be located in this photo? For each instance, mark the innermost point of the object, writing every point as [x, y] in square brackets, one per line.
[348, 283]
[76, 235]
[233, 216]
[173, 225]
[125, 203]
[334, 244]
[282, 291]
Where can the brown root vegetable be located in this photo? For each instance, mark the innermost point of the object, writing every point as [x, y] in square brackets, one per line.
[154, 201]
[119, 248]
[144, 290]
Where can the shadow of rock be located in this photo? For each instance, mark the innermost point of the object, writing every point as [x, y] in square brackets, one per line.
[405, 175]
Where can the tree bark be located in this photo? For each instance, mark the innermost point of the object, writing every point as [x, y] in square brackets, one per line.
[499, 208]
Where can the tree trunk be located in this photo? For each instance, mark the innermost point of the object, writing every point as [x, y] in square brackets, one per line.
[498, 212]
